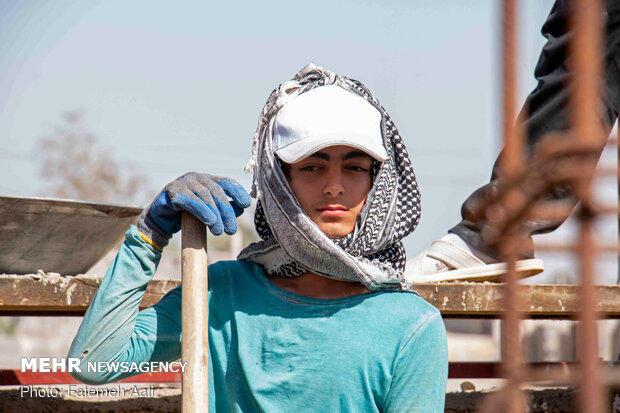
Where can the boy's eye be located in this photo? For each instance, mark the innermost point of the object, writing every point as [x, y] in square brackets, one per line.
[309, 168]
[358, 168]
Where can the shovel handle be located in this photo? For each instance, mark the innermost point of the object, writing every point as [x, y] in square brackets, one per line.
[195, 313]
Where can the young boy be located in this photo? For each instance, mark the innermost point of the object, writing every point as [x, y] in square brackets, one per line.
[317, 316]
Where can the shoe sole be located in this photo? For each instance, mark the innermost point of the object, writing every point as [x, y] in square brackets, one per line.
[489, 272]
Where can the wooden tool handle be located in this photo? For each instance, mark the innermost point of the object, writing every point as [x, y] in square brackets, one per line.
[195, 311]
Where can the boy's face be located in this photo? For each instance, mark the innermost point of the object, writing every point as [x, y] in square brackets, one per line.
[331, 186]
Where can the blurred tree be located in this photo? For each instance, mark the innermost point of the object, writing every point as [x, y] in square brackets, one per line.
[8, 325]
[75, 167]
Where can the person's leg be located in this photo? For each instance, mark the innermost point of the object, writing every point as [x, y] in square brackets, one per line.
[547, 110]
[464, 253]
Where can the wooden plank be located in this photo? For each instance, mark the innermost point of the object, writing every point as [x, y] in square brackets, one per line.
[484, 300]
[52, 294]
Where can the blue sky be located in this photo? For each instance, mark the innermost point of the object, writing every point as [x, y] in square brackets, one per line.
[178, 86]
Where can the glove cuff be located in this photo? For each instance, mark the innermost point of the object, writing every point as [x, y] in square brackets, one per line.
[149, 228]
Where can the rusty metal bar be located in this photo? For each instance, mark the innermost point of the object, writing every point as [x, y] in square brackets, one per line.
[548, 373]
[557, 212]
[607, 248]
[566, 375]
[511, 166]
[585, 56]
[513, 144]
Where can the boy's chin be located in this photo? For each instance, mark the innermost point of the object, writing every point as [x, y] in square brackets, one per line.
[337, 233]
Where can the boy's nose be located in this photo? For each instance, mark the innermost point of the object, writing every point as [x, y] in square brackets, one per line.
[333, 187]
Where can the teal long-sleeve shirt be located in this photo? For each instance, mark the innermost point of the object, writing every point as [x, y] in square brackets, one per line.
[271, 350]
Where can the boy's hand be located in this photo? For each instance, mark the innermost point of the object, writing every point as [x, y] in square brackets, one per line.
[204, 196]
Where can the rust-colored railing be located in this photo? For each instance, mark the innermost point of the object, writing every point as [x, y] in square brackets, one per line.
[513, 141]
[585, 56]
[585, 137]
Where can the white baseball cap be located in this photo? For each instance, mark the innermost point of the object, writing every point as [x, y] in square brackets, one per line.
[327, 116]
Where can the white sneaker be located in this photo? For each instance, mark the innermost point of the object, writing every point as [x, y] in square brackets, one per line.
[453, 259]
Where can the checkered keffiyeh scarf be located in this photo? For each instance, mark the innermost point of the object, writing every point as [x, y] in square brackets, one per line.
[292, 244]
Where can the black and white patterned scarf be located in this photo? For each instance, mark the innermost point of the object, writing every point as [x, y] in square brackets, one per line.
[292, 244]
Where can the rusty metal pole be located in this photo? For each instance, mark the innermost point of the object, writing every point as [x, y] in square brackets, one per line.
[511, 165]
[195, 311]
[585, 52]
[511, 399]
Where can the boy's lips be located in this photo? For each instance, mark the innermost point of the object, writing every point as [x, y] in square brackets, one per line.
[333, 210]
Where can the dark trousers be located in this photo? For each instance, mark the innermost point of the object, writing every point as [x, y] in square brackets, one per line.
[547, 110]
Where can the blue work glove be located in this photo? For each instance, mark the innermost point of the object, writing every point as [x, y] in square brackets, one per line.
[205, 196]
